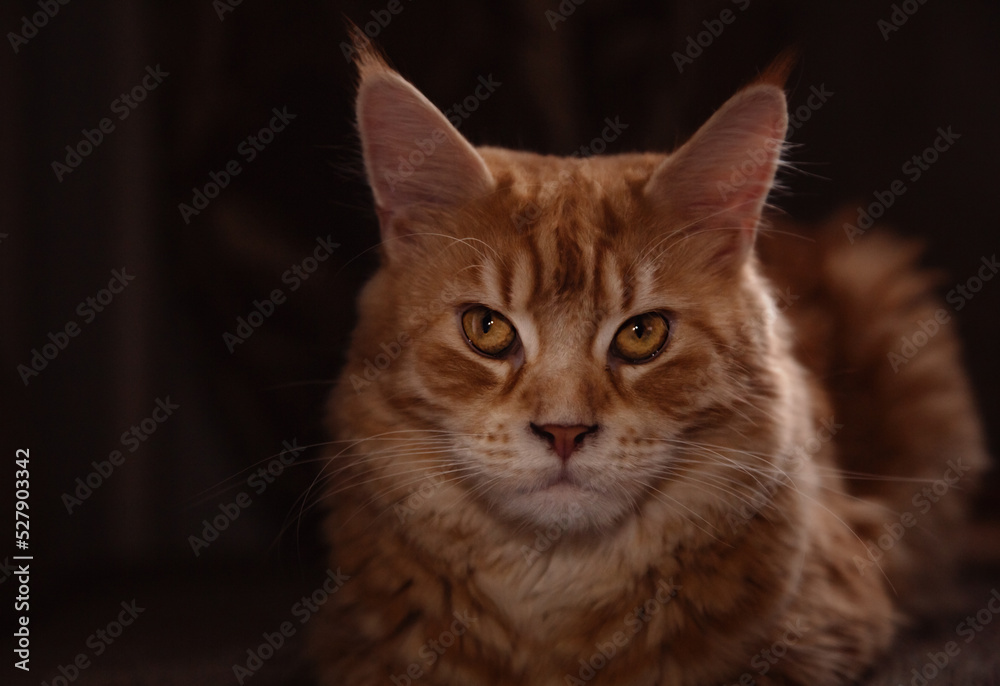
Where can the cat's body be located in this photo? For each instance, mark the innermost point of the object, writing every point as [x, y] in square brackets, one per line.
[527, 490]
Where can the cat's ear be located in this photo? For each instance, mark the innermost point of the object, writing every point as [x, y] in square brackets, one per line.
[414, 157]
[716, 183]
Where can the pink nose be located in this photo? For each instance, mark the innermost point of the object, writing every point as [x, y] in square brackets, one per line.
[563, 439]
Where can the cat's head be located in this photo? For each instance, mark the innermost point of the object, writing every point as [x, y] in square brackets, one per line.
[565, 336]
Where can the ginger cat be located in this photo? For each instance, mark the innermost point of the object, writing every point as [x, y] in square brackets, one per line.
[587, 432]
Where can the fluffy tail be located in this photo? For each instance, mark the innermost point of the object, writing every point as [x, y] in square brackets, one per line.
[885, 347]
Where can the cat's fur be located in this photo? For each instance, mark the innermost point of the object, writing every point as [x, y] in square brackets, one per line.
[705, 519]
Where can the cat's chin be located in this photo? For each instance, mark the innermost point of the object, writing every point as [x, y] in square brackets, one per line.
[563, 507]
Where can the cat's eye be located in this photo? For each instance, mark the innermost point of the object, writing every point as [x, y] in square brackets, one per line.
[488, 331]
[641, 338]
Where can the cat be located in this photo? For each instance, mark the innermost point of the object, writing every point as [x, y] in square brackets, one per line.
[598, 424]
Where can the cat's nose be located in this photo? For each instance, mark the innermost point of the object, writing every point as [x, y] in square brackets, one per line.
[563, 438]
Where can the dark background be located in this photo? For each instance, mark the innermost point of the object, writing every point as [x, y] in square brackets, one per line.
[163, 336]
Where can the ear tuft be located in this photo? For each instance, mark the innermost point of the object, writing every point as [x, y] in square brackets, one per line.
[367, 57]
[780, 68]
[414, 157]
[719, 180]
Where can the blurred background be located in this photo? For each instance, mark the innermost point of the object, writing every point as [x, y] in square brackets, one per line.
[177, 162]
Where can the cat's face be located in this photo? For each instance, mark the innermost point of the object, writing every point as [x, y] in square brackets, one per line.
[574, 338]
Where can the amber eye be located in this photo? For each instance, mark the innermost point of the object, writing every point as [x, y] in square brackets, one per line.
[641, 337]
[488, 331]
